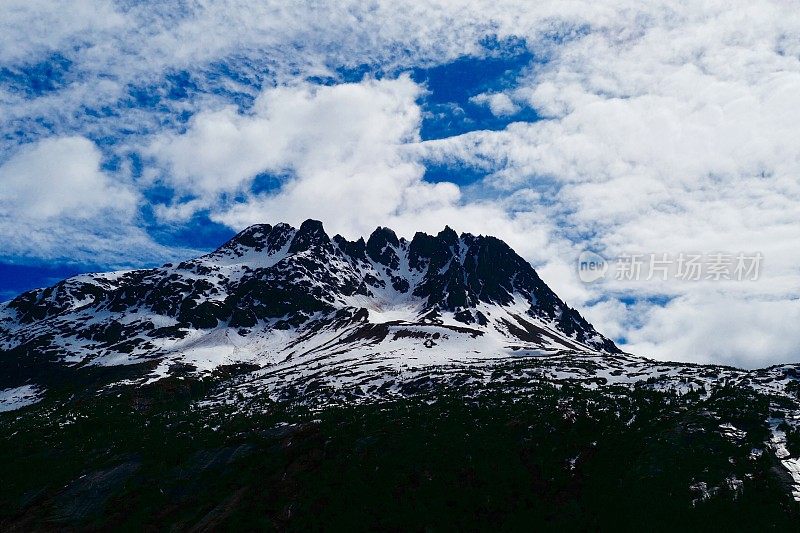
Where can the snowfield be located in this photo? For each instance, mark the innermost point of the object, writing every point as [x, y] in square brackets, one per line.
[18, 397]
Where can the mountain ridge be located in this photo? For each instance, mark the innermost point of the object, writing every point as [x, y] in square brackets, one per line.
[279, 278]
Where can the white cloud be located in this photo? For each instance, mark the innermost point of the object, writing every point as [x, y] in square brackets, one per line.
[718, 329]
[108, 242]
[60, 177]
[500, 104]
[340, 143]
[345, 150]
[57, 203]
[111, 47]
[32, 27]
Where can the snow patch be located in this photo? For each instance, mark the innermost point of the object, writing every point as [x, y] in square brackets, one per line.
[19, 397]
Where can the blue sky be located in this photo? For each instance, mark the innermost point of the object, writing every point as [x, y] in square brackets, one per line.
[137, 133]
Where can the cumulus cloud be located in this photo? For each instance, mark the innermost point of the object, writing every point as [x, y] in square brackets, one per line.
[57, 203]
[745, 332]
[500, 104]
[338, 144]
[345, 152]
[60, 177]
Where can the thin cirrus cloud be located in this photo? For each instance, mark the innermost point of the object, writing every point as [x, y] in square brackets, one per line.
[633, 127]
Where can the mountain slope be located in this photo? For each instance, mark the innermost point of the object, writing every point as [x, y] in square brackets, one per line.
[275, 293]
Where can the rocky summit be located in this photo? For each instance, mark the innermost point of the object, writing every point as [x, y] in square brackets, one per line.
[276, 296]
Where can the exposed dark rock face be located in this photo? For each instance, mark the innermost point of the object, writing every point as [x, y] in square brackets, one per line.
[281, 277]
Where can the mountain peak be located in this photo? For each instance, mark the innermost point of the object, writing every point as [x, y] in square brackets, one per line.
[254, 236]
[310, 235]
[311, 225]
[448, 235]
[272, 286]
[384, 235]
[382, 245]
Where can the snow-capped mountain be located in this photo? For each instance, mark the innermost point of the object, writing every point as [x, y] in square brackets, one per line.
[277, 295]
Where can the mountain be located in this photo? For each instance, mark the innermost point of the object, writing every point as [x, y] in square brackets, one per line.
[276, 295]
[289, 380]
